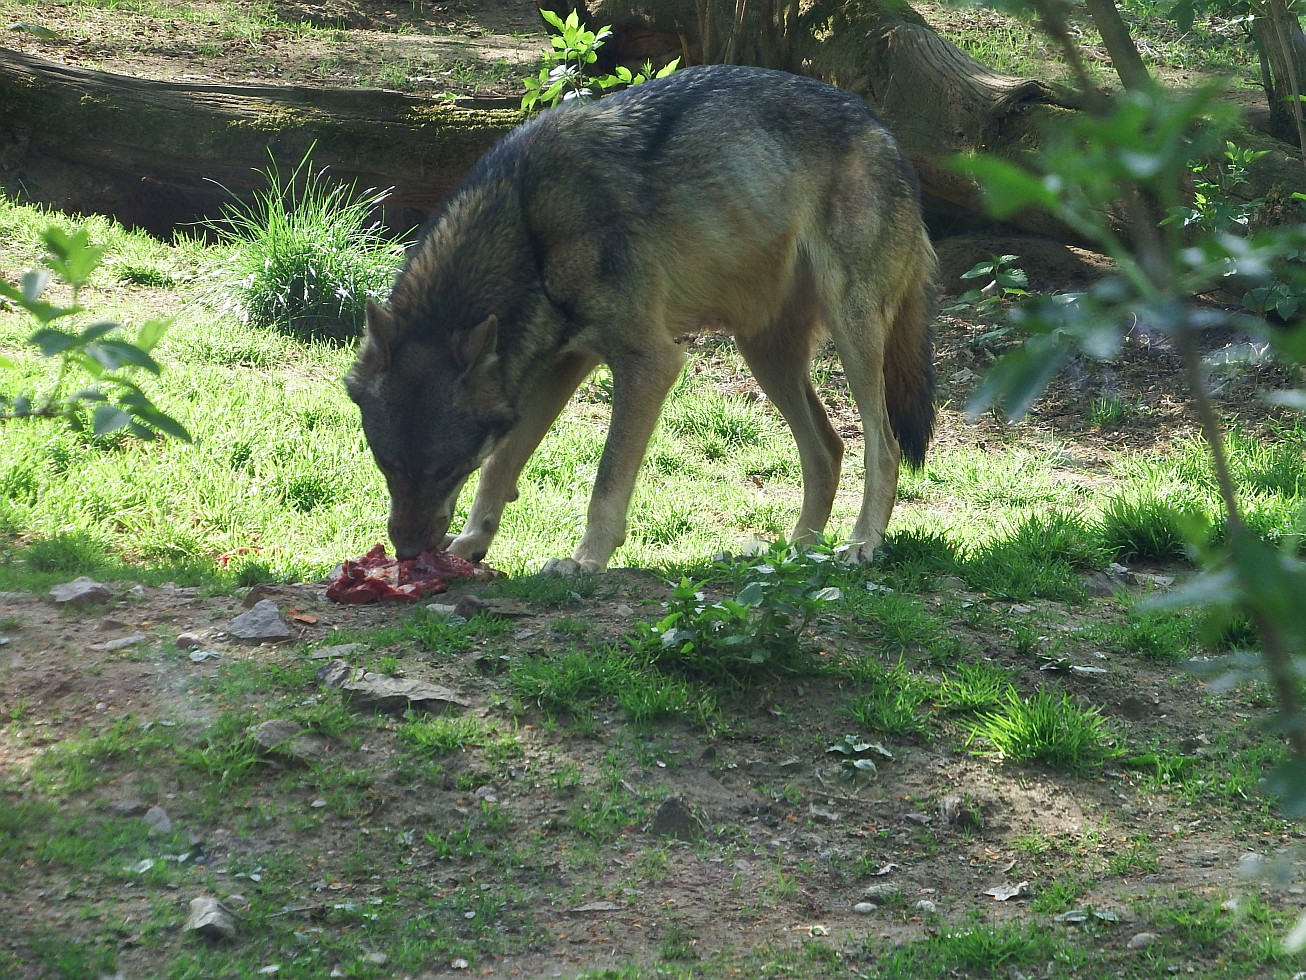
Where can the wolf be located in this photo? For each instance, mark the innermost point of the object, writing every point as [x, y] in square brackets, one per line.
[770, 206]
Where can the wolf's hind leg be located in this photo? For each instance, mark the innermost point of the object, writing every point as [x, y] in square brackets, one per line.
[860, 341]
[780, 360]
[544, 398]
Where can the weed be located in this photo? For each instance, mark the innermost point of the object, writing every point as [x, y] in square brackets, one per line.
[763, 626]
[1045, 729]
[305, 256]
[895, 703]
[973, 687]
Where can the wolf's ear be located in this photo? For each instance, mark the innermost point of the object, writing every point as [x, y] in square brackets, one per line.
[381, 329]
[378, 339]
[476, 343]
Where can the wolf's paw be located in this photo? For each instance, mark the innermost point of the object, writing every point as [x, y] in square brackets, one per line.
[856, 552]
[569, 567]
[470, 546]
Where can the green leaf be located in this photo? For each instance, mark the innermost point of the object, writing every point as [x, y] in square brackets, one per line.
[72, 257]
[552, 19]
[108, 418]
[1007, 187]
[151, 332]
[121, 352]
[34, 283]
[52, 342]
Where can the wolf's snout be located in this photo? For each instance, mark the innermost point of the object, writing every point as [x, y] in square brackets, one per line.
[412, 531]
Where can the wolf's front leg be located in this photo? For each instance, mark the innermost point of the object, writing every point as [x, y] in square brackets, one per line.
[542, 398]
[639, 387]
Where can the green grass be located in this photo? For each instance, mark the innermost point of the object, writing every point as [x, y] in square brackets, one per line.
[1046, 729]
[304, 256]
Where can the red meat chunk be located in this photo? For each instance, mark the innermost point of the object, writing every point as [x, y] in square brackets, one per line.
[376, 578]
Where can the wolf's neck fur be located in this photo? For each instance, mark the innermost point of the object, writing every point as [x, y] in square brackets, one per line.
[475, 261]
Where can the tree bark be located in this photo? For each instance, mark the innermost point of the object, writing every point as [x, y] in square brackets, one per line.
[1125, 58]
[1282, 46]
[160, 154]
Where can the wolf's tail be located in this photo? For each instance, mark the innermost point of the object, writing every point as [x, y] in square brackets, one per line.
[909, 362]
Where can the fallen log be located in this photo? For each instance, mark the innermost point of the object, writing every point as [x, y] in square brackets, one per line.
[161, 154]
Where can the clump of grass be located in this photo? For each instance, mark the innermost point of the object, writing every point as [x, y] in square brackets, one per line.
[1142, 526]
[1045, 729]
[894, 701]
[973, 687]
[306, 254]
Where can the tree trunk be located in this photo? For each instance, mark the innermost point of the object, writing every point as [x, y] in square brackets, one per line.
[1119, 45]
[160, 154]
[1282, 47]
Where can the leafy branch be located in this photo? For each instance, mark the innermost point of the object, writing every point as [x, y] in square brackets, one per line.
[1135, 151]
[115, 400]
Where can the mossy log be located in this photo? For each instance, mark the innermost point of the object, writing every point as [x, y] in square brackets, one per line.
[158, 154]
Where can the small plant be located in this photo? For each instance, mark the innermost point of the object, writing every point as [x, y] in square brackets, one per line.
[894, 705]
[857, 756]
[973, 687]
[763, 625]
[306, 255]
[1045, 729]
[566, 72]
[1007, 283]
[111, 362]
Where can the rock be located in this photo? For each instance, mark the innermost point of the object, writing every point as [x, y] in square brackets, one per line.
[289, 740]
[108, 646]
[190, 639]
[675, 819]
[925, 905]
[211, 919]
[865, 908]
[261, 624]
[1253, 865]
[336, 652]
[961, 813]
[80, 592]
[880, 894]
[469, 605]
[383, 692]
[920, 819]
[157, 819]
[1142, 940]
[1100, 584]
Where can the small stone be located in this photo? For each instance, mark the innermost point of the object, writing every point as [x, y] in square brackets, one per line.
[157, 819]
[261, 624]
[880, 894]
[1142, 940]
[288, 740]
[376, 959]
[675, 819]
[337, 652]
[925, 905]
[468, 606]
[865, 908]
[121, 643]
[383, 692]
[1253, 865]
[920, 819]
[188, 639]
[80, 592]
[211, 919]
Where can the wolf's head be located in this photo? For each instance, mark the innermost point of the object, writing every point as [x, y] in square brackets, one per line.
[433, 407]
